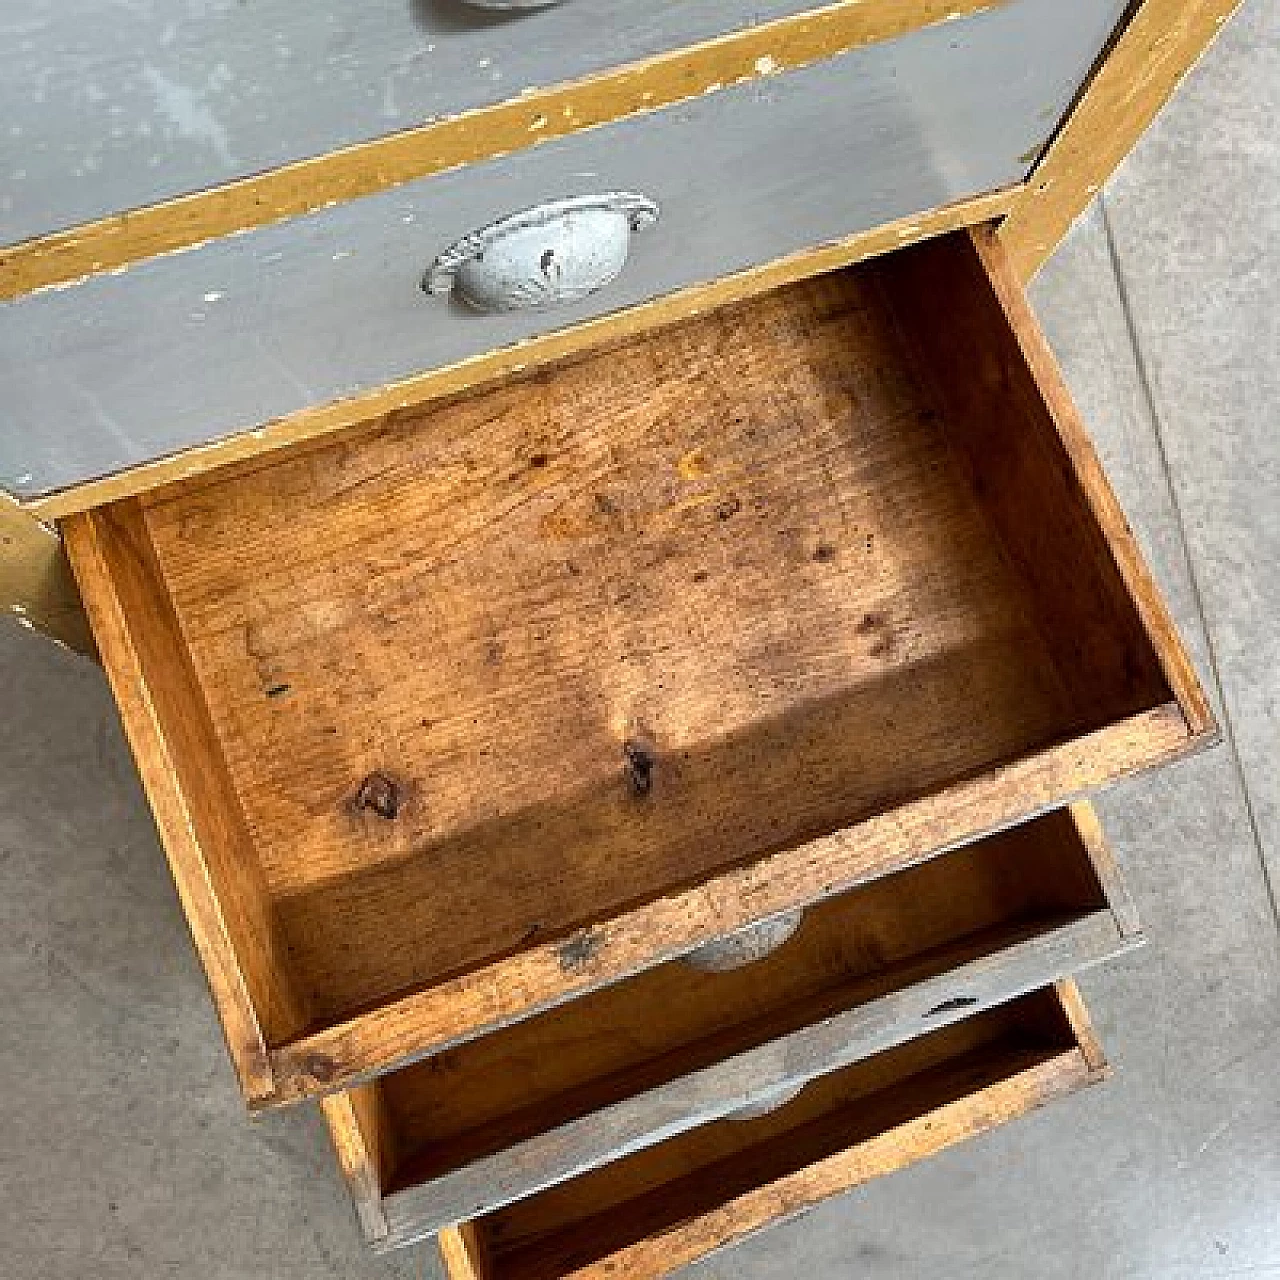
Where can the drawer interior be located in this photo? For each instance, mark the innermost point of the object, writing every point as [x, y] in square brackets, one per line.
[667, 1022]
[665, 1187]
[432, 695]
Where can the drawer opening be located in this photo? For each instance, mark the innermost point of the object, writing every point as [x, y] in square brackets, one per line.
[663, 1188]
[495, 700]
[661, 1025]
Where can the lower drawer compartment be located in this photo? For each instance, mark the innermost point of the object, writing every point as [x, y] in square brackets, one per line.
[469, 1130]
[670, 1205]
[476, 708]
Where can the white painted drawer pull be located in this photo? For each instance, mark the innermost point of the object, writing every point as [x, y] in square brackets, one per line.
[555, 252]
[746, 945]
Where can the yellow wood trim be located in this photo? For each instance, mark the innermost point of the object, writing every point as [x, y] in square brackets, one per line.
[36, 586]
[1081, 1024]
[784, 44]
[522, 356]
[1157, 47]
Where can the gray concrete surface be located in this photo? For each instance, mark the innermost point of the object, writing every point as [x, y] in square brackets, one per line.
[124, 1150]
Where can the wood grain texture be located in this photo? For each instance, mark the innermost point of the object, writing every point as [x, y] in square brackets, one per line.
[1094, 488]
[1123, 907]
[36, 584]
[1041, 481]
[515, 361]
[186, 783]
[658, 1210]
[461, 1251]
[625, 1066]
[783, 44]
[361, 1143]
[747, 552]
[751, 1078]
[1159, 44]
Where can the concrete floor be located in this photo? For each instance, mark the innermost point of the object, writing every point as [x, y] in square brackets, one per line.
[124, 1148]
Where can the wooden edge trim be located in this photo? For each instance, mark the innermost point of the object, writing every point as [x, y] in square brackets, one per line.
[36, 584]
[113, 628]
[461, 1251]
[486, 999]
[782, 44]
[1081, 1024]
[1174, 660]
[1157, 47]
[1123, 908]
[887, 1152]
[521, 357]
[357, 1162]
[856, 1032]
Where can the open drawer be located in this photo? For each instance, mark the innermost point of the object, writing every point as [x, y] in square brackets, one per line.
[508, 1114]
[488, 703]
[669, 1205]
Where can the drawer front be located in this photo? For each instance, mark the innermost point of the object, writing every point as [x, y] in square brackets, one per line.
[658, 1210]
[113, 106]
[557, 1095]
[181, 350]
[462, 715]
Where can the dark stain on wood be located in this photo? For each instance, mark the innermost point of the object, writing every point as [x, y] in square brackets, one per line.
[577, 953]
[379, 794]
[640, 762]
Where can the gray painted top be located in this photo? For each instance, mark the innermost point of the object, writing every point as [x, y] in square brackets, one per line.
[184, 349]
[110, 104]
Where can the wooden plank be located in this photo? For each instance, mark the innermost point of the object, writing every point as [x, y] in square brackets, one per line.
[360, 1137]
[962, 989]
[1123, 906]
[1159, 44]
[179, 760]
[1042, 484]
[1096, 489]
[740, 57]
[515, 361]
[1077, 1015]
[36, 585]
[462, 1255]
[671, 1205]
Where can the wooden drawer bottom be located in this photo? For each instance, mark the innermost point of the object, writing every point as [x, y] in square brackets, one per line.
[670, 1205]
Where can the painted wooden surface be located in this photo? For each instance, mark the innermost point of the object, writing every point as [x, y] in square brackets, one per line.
[663, 1208]
[111, 106]
[510, 1113]
[36, 586]
[497, 366]
[531, 118]
[180, 350]
[757, 549]
[1160, 43]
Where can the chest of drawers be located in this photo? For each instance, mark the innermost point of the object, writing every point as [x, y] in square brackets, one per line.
[624, 758]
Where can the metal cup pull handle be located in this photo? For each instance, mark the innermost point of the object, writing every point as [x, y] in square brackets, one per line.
[554, 253]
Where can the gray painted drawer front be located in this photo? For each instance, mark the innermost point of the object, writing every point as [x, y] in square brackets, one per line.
[107, 105]
[181, 350]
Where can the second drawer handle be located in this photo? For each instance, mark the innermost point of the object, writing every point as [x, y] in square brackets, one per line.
[555, 252]
[746, 946]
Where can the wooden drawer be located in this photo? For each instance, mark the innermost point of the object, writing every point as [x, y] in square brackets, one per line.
[669, 1205]
[110, 107]
[494, 702]
[183, 349]
[467, 1131]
